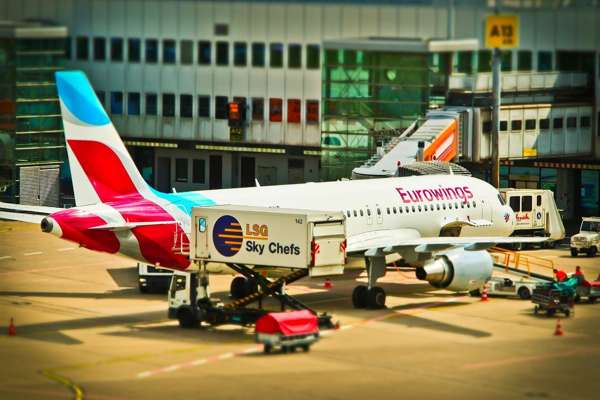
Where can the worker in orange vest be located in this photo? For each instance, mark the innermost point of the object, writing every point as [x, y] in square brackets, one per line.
[560, 275]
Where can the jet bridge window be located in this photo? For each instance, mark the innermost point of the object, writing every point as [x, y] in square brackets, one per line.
[515, 203]
[526, 203]
[538, 201]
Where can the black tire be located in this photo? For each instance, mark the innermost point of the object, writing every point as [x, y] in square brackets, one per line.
[359, 296]
[567, 312]
[574, 252]
[251, 286]
[186, 318]
[550, 312]
[592, 300]
[577, 298]
[143, 289]
[237, 289]
[306, 348]
[376, 298]
[475, 293]
[285, 349]
[591, 252]
[267, 349]
[524, 293]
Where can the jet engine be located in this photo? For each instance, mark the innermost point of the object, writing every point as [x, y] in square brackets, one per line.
[457, 270]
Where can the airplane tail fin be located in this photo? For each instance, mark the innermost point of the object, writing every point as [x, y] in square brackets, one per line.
[101, 168]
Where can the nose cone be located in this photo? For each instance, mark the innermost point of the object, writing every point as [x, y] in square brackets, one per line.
[49, 225]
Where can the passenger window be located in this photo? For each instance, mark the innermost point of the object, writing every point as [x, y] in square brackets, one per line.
[526, 204]
[348, 213]
[388, 211]
[425, 207]
[468, 205]
[419, 207]
[515, 203]
[538, 201]
[474, 204]
[456, 205]
[444, 206]
[413, 208]
[369, 212]
[394, 209]
[354, 211]
[361, 213]
[406, 209]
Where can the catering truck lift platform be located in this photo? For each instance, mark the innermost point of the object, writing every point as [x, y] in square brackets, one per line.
[250, 240]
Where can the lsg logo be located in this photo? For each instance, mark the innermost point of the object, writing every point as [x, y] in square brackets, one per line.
[256, 231]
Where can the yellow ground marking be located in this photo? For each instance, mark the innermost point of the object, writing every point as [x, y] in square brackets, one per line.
[77, 390]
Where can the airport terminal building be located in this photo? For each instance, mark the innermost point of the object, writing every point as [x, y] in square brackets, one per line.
[211, 94]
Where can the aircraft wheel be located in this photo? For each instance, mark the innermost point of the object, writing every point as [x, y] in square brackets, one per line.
[573, 252]
[237, 289]
[359, 296]
[186, 318]
[376, 298]
[592, 251]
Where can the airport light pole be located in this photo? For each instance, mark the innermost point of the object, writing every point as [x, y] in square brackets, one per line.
[496, 94]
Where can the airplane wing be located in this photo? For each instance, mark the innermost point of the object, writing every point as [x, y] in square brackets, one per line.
[25, 213]
[389, 240]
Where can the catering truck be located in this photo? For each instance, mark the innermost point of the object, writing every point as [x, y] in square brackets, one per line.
[153, 279]
[249, 240]
[536, 214]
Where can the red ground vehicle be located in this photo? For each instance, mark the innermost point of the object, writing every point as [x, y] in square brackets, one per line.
[288, 330]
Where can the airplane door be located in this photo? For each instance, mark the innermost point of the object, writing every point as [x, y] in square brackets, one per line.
[486, 211]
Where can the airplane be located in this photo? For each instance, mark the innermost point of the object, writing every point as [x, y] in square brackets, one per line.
[440, 224]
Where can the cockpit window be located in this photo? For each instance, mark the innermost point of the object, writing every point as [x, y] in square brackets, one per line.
[501, 200]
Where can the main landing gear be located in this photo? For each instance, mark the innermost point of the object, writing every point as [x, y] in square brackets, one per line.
[371, 296]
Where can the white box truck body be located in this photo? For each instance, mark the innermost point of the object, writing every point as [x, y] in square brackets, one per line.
[277, 237]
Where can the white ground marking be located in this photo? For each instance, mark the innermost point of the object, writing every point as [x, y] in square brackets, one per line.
[67, 249]
[33, 253]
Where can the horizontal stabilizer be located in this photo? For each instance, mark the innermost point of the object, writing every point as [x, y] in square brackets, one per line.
[25, 213]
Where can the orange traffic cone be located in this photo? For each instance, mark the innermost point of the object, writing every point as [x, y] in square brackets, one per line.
[327, 284]
[558, 331]
[484, 293]
[12, 329]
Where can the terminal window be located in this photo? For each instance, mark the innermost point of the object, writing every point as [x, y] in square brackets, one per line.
[116, 103]
[503, 126]
[82, 48]
[557, 123]
[222, 53]
[181, 170]
[276, 55]
[294, 56]
[187, 52]
[221, 107]
[116, 49]
[186, 106]
[571, 122]
[239, 54]
[258, 54]
[524, 60]
[312, 111]
[168, 105]
[530, 124]
[151, 104]
[151, 50]
[204, 106]
[198, 171]
[221, 29]
[133, 103]
[313, 56]
[506, 60]
[99, 49]
[484, 61]
[275, 109]
[293, 111]
[585, 121]
[544, 61]
[134, 50]
[101, 96]
[516, 125]
[464, 62]
[544, 124]
[258, 105]
[204, 50]
[68, 48]
[168, 52]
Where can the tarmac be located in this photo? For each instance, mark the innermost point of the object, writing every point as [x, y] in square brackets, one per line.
[84, 331]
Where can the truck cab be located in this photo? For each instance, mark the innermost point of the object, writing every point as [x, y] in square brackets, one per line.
[153, 279]
[588, 239]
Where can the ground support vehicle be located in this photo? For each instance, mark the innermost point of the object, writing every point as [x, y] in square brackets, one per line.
[589, 292]
[588, 239]
[555, 297]
[248, 240]
[523, 288]
[536, 214]
[153, 279]
[287, 330]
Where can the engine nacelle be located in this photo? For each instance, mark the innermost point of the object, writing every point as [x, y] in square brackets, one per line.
[458, 270]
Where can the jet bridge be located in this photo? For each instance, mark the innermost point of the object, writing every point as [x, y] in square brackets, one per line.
[437, 139]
